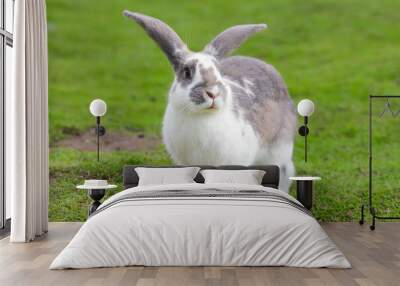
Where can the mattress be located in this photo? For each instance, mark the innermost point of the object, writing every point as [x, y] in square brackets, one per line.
[201, 225]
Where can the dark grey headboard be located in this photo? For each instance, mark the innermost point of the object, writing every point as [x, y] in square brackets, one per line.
[271, 177]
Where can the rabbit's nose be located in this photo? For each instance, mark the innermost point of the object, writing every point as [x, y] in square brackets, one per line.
[210, 94]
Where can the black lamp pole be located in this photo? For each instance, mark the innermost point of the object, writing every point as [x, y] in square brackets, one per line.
[305, 138]
[303, 131]
[98, 137]
[100, 131]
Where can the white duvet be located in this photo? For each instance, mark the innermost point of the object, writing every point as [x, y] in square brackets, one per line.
[200, 231]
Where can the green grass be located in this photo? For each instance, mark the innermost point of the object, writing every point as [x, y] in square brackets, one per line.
[333, 52]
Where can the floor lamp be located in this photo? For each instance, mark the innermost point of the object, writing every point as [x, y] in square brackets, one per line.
[98, 108]
[305, 108]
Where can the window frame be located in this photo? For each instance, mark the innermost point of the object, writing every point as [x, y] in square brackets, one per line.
[6, 39]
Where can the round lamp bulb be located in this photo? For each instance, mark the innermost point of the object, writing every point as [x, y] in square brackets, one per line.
[305, 107]
[98, 107]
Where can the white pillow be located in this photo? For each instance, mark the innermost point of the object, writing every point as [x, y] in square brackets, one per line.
[248, 177]
[165, 176]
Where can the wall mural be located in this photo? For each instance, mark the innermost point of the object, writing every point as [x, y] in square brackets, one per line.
[211, 85]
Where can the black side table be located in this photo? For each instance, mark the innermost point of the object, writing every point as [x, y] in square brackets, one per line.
[305, 190]
[96, 193]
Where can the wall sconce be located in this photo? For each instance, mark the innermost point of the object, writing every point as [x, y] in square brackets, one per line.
[98, 108]
[305, 108]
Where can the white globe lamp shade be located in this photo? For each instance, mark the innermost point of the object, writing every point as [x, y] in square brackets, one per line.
[305, 107]
[98, 107]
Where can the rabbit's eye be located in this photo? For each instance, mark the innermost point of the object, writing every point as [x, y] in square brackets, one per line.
[187, 73]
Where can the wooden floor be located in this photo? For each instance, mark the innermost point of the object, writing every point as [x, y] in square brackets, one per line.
[375, 257]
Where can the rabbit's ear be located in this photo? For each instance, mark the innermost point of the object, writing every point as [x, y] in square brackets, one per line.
[231, 39]
[163, 35]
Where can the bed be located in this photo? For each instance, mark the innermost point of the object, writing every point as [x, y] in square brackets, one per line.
[198, 224]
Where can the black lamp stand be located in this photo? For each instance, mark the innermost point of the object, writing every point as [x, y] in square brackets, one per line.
[303, 131]
[96, 195]
[100, 131]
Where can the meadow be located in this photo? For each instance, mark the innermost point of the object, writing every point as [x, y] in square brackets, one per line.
[333, 52]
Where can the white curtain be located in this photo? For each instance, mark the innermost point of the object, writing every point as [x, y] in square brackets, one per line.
[27, 124]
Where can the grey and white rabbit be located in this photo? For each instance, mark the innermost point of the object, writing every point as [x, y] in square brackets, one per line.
[224, 109]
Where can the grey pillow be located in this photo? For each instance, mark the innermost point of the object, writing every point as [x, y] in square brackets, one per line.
[165, 176]
[248, 177]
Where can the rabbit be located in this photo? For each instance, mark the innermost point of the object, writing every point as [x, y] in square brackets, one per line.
[224, 110]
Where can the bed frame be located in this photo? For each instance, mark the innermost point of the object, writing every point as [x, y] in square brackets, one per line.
[270, 179]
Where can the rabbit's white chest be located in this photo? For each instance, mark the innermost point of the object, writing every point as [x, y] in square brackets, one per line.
[214, 139]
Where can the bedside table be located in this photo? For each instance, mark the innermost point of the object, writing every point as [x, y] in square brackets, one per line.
[96, 192]
[305, 190]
